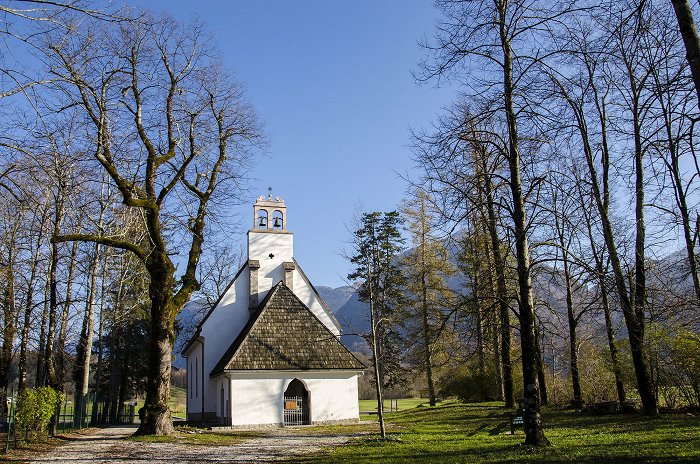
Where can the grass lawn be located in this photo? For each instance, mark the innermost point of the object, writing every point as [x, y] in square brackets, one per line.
[404, 403]
[480, 433]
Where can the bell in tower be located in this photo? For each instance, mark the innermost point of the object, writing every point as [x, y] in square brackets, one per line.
[270, 214]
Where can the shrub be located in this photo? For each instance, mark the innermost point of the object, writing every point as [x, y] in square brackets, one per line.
[35, 407]
[468, 385]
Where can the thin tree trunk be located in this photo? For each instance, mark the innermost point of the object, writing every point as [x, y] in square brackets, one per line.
[476, 295]
[495, 332]
[427, 340]
[534, 432]
[425, 305]
[610, 331]
[375, 361]
[577, 401]
[68, 302]
[81, 372]
[28, 309]
[631, 312]
[501, 290]
[539, 362]
[8, 329]
[41, 355]
[98, 368]
[686, 24]
[645, 382]
[619, 385]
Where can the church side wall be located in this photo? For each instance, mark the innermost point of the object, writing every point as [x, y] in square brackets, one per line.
[194, 383]
[219, 331]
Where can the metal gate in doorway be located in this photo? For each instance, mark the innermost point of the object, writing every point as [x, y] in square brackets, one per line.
[296, 410]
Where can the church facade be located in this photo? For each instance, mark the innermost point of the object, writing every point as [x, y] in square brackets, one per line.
[269, 351]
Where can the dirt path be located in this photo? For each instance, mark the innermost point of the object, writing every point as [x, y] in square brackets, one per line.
[109, 446]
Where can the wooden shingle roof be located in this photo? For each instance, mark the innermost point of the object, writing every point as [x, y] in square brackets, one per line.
[284, 334]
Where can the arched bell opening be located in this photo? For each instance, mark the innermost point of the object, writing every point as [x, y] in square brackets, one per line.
[262, 220]
[277, 220]
[296, 404]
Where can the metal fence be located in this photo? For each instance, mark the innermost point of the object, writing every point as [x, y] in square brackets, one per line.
[89, 411]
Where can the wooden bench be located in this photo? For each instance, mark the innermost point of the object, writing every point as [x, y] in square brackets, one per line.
[517, 420]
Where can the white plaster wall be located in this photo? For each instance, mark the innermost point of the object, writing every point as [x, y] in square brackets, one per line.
[260, 246]
[223, 399]
[194, 379]
[334, 399]
[220, 330]
[306, 294]
[257, 397]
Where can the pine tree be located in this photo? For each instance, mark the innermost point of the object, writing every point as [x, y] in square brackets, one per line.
[378, 243]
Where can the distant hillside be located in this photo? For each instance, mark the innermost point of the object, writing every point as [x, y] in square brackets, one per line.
[351, 313]
[187, 321]
[548, 286]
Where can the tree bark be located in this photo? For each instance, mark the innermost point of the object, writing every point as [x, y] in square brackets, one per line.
[534, 432]
[29, 308]
[686, 24]
[501, 290]
[9, 328]
[67, 303]
[155, 414]
[539, 361]
[81, 372]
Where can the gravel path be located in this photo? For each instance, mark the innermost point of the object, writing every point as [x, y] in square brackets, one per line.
[108, 446]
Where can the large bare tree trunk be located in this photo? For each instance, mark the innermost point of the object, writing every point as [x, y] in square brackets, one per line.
[155, 414]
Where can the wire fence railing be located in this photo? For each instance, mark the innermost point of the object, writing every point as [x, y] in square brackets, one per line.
[73, 413]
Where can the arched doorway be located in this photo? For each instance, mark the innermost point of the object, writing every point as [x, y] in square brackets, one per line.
[296, 404]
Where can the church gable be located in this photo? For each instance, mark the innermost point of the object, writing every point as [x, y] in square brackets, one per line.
[284, 334]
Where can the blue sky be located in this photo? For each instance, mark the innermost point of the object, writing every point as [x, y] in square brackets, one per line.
[331, 81]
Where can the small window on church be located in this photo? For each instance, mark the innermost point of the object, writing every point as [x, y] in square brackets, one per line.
[277, 220]
[196, 376]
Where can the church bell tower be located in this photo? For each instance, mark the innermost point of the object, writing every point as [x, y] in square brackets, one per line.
[270, 249]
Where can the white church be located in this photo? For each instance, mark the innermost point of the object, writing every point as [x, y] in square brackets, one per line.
[269, 351]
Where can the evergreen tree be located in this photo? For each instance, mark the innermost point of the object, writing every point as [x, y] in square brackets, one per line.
[378, 243]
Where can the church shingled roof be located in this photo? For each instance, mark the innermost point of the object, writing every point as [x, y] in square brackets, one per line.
[284, 334]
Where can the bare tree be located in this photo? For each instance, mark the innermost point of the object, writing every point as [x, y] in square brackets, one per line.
[686, 25]
[166, 123]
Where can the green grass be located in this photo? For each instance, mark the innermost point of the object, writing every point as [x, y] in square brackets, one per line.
[480, 433]
[404, 403]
